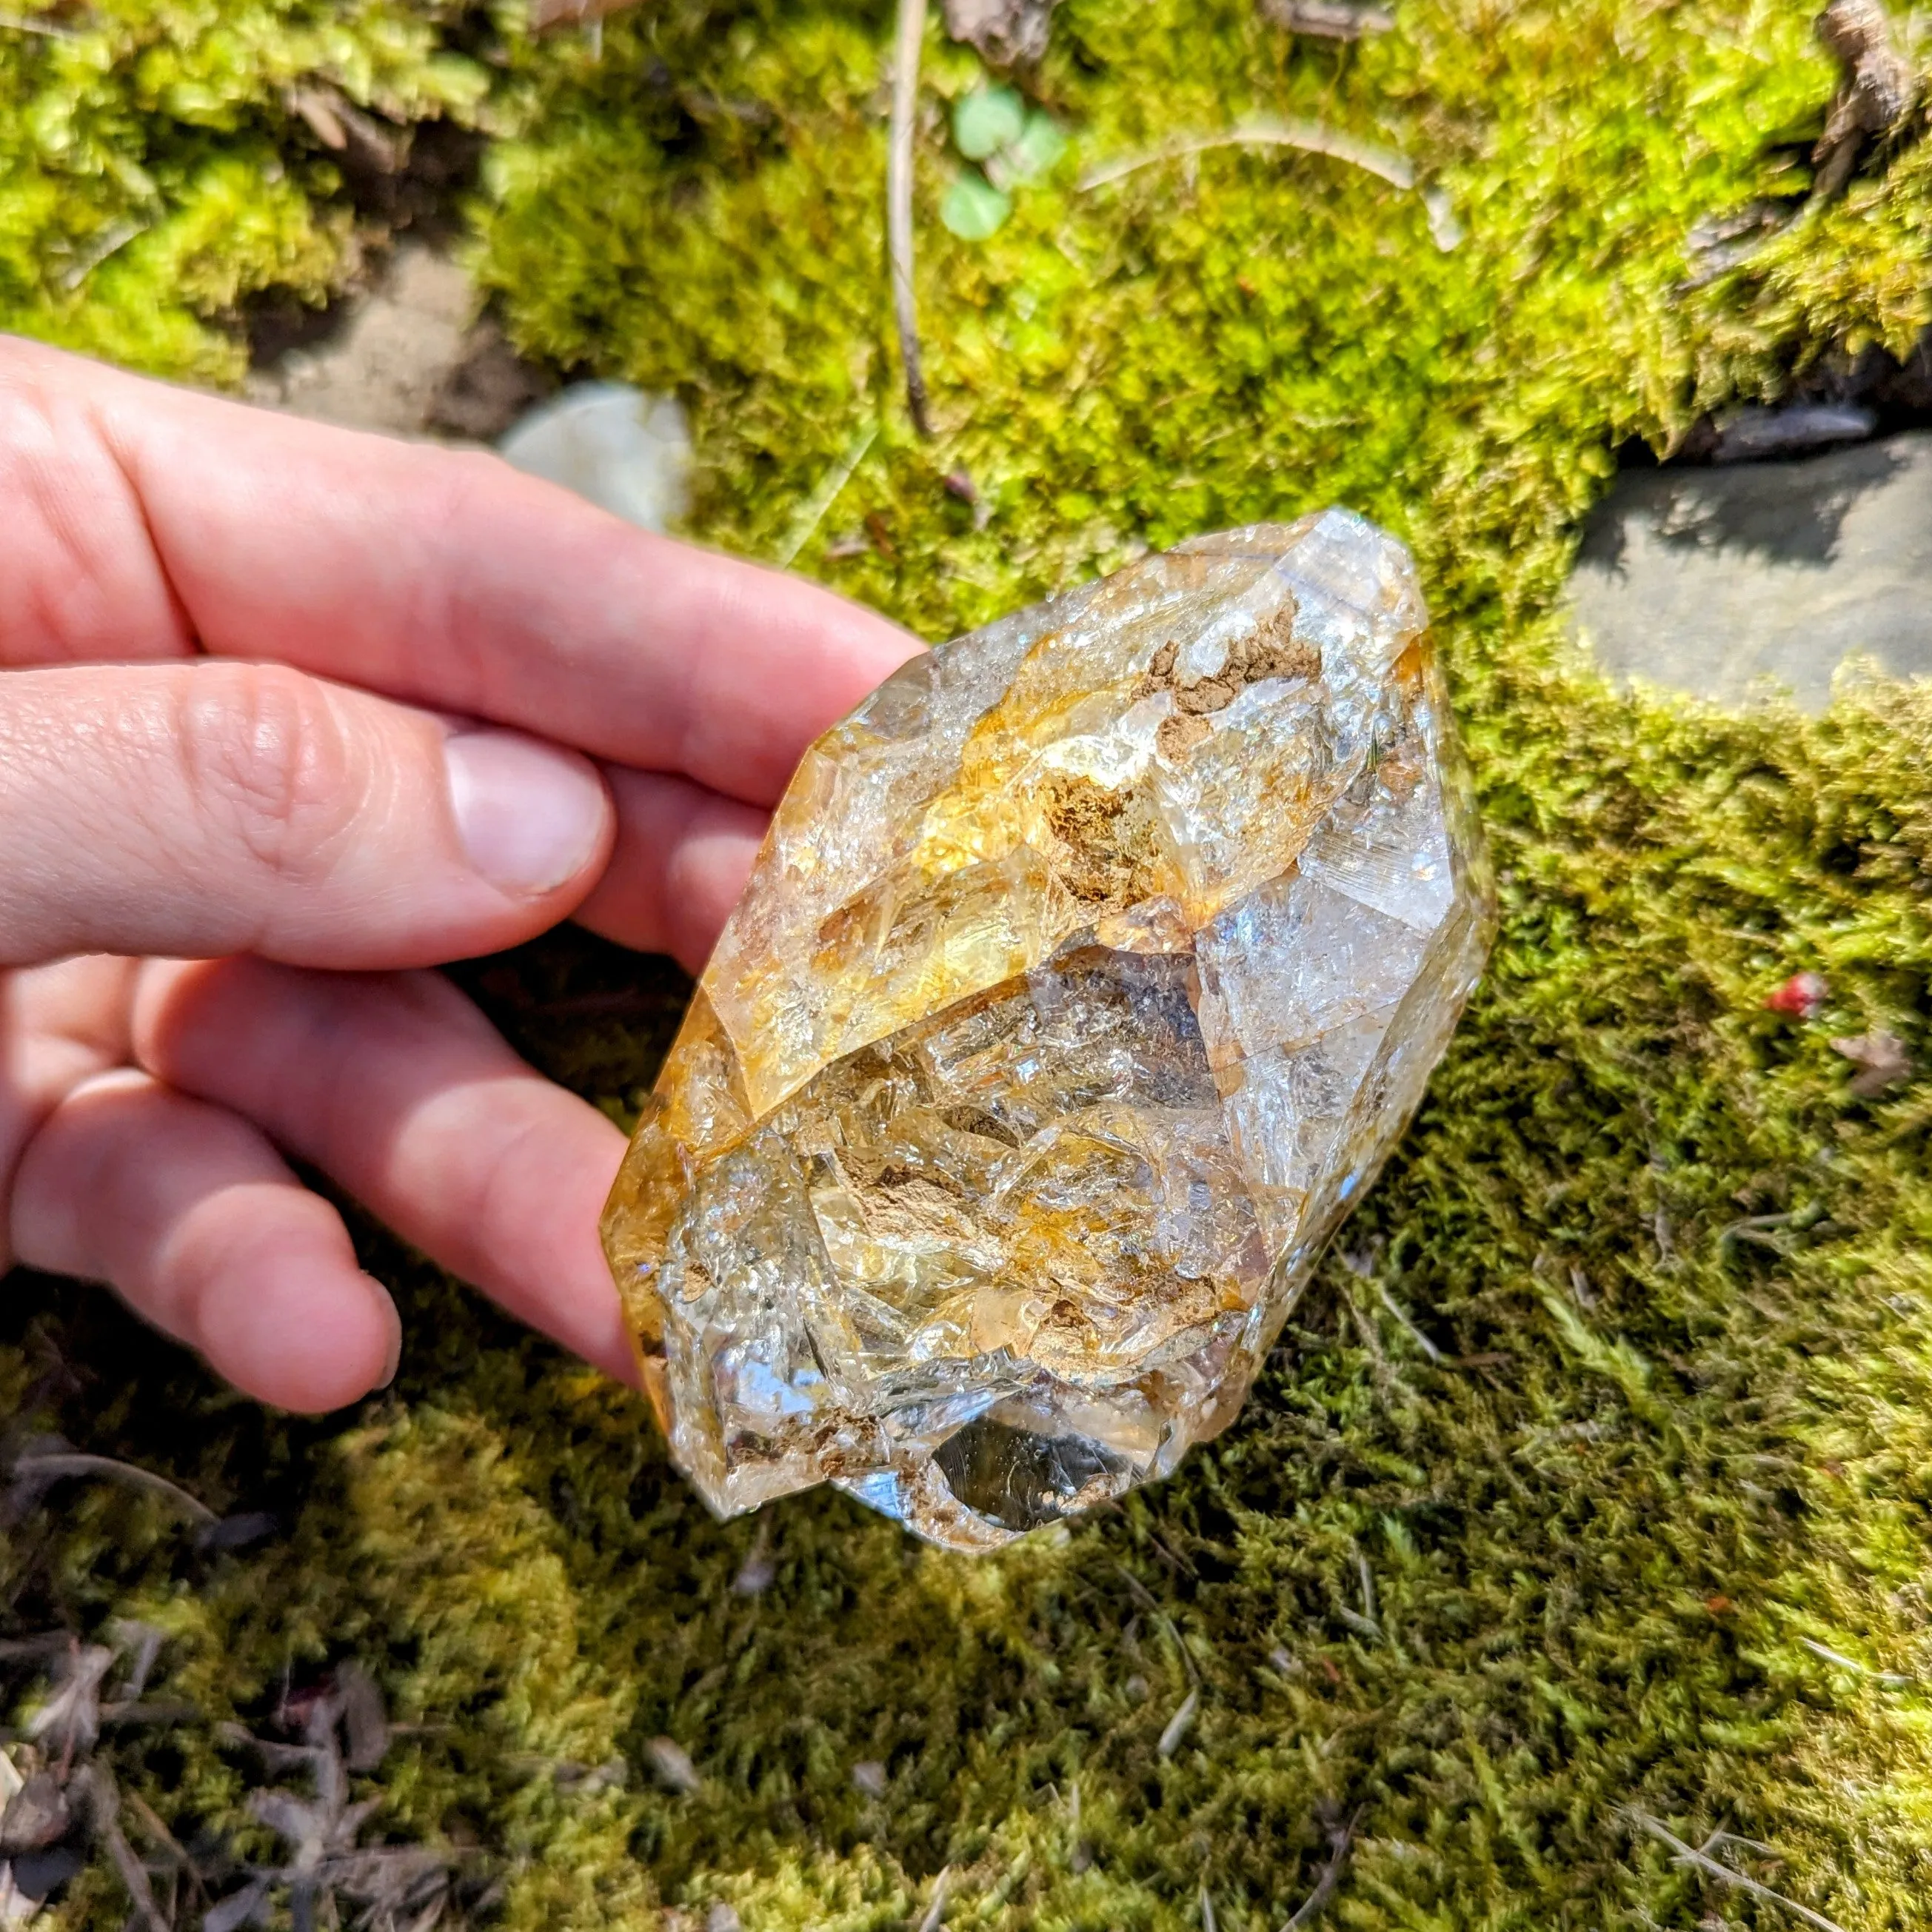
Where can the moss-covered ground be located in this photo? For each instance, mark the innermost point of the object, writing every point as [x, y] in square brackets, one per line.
[1589, 1494]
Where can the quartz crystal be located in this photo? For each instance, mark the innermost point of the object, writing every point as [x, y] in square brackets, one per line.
[1088, 973]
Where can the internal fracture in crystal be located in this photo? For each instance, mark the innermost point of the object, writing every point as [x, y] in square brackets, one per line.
[1089, 972]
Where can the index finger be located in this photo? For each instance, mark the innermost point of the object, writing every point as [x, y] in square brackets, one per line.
[443, 577]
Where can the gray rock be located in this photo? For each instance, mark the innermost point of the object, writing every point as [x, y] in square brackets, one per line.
[1716, 581]
[1753, 434]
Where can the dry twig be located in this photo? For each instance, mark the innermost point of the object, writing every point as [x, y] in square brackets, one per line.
[1892, 1679]
[898, 202]
[935, 1912]
[1421, 1341]
[248, 1906]
[1179, 1725]
[107, 243]
[24, 23]
[54, 1465]
[1340, 1838]
[820, 501]
[1700, 1861]
[1875, 89]
[134, 1875]
[1309, 137]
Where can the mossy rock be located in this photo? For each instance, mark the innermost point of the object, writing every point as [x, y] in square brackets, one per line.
[1587, 1499]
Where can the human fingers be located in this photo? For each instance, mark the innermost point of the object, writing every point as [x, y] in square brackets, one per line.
[396, 1087]
[192, 1216]
[205, 808]
[682, 856]
[147, 521]
[59, 1025]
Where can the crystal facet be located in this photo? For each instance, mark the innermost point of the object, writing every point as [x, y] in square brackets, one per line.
[1089, 971]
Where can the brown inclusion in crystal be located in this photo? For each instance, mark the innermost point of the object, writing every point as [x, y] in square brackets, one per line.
[1089, 973]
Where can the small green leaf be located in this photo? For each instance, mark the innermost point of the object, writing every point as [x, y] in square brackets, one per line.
[973, 207]
[1040, 144]
[986, 120]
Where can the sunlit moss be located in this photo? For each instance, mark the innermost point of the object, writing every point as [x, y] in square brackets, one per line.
[155, 170]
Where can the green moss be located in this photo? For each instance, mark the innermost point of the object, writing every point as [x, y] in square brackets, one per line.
[1498, 1603]
[155, 171]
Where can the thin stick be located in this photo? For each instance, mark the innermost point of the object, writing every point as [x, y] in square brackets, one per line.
[152, 1824]
[110, 244]
[1368, 1588]
[1310, 136]
[134, 1877]
[1178, 1726]
[1340, 1837]
[898, 202]
[1689, 1854]
[1416, 1335]
[827, 493]
[1838, 1656]
[20, 23]
[935, 1912]
[76, 1464]
[1149, 1602]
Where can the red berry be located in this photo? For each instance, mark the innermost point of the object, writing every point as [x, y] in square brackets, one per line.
[1800, 998]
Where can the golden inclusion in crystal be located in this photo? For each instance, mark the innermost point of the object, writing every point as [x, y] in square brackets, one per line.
[1089, 971]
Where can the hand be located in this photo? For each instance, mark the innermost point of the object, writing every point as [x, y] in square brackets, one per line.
[308, 708]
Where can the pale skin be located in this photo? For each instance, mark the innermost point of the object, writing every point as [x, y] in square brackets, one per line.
[287, 715]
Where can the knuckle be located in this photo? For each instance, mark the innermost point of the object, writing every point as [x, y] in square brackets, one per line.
[27, 415]
[453, 500]
[30, 380]
[269, 765]
[61, 492]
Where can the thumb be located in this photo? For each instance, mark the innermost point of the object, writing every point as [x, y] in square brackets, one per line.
[200, 809]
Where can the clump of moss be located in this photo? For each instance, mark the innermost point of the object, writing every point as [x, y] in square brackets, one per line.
[1589, 1494]
[157, 170]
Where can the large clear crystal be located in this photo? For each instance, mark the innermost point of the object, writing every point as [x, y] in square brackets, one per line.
[1089, 971]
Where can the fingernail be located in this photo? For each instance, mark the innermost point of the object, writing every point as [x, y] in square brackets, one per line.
[529, 816]
[394, 1360]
